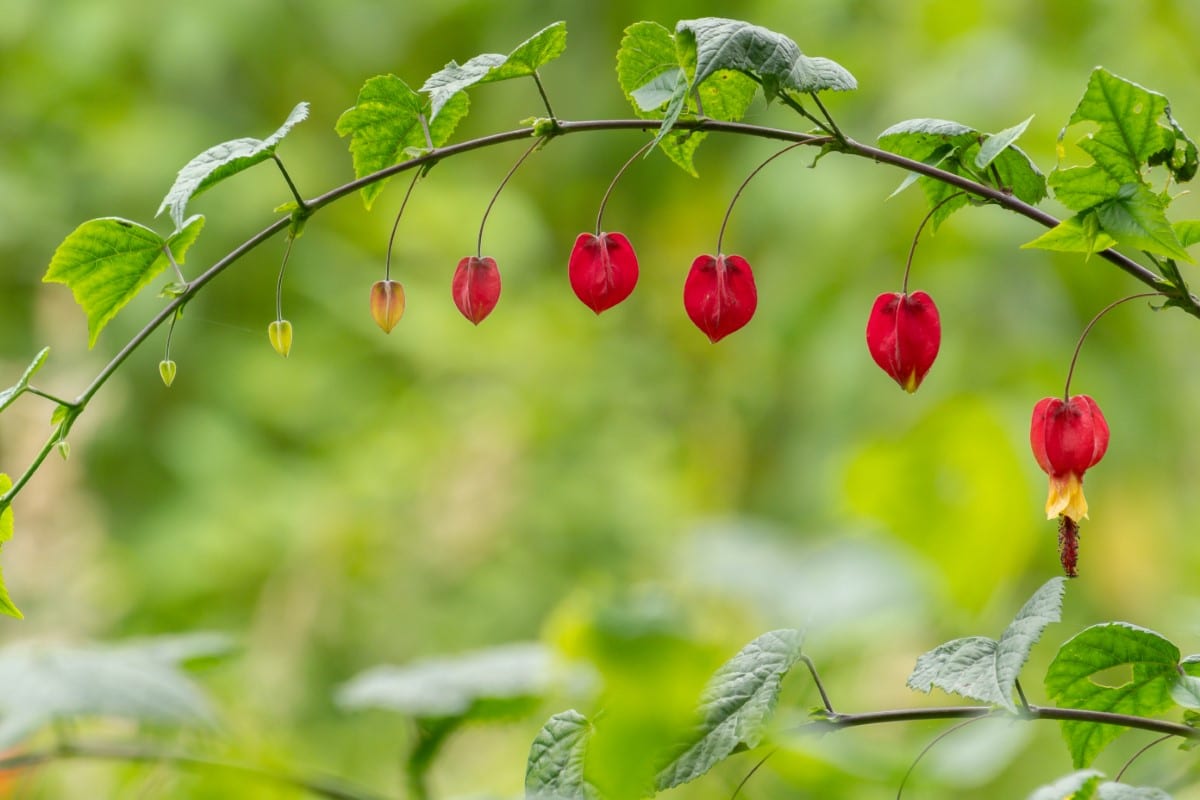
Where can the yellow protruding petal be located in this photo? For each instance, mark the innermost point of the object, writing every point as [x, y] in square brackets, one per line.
[1066, 498]
[910, 383]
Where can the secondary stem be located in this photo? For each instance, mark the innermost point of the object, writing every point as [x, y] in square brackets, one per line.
[542, 91]
[913, 249]
[387, 263]
[295, 192]
[617, 177]
[848, 146]
[740, 189]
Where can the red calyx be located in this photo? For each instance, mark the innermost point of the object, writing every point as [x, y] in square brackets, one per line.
[476, 287]
[904, 333]
[603, 269]
[719, 295]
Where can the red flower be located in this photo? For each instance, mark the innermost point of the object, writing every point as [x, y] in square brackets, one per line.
[903, 335]
[1068, 437]
[387, 304]
[719, 295]
[476, 287]
[603, 269]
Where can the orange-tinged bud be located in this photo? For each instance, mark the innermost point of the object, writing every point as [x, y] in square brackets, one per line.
[280, 334]
[387, 304]
[166, 370]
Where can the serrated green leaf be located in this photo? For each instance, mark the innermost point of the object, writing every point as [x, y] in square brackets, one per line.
[1078, 234]
[1081, 188]
[647, 64]
[546, 45]
[17, 389]
[771, 57]
[1186, 691]
[474, 684]
[222, 161]
[736, 706]
[1079, 785]
[386, 121]
[1137, 219]
[956, 148]
[986, 669]
[47, 684]
[1187, 232]
[1069, 681]
[107, 261]
[1130, 130]
[996, 143]
[554, 770]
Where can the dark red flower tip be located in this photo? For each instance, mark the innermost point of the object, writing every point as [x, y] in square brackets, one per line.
[476, 287]
[719, 295]
[903, 335]
[603, 269]
[1068, 437]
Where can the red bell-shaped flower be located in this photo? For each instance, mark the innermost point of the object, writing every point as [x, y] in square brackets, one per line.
[1068, 438]
[476, 287]
[603, 269]
[719, 295]
[903, 335]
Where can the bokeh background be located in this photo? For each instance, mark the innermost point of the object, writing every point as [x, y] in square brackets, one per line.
[614, 487]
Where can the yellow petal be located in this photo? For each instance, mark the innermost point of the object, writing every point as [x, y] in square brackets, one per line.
[1066, 498]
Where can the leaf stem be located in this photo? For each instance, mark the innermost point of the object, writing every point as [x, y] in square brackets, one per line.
[295, 192]
[834, 129]
[1088, 328]
[812, 669]
[738, 193]
[174, 264]
[1021, 696]
[528, 151]
[331, 788]
[425, 130]
[545, 98]
[47, 396]
[913, 249]
[387, 263]
[799, 108]
[613, 183]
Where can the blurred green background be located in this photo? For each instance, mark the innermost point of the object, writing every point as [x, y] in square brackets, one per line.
[613, 486]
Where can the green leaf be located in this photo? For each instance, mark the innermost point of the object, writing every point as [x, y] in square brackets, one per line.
[996, 143]
[1130, 119]
[1081, 188]
[1069, 681]
[1187, 232]
[657, 84]
[1078, 234]
[220, 162]
[555, 767]
[386, 121]
[17, 389]
[6, 532]
[986, 669]
[107, 261]
[769, 56]
[1182, 161]
[736, 706]
[1186, 691]
[1137, 219]
[47, 684]
[546, 45]
[957, 148]
[490, 682]
[1079, 785]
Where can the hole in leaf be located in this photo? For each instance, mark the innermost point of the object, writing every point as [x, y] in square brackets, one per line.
[1113, 676]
